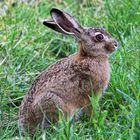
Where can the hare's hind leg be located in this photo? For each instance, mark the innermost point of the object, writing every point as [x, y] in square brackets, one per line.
[48, 105]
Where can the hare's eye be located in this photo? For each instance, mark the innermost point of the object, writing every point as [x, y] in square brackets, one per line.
[99, 37]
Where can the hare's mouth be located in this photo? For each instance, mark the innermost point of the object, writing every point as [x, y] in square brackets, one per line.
[111, 48]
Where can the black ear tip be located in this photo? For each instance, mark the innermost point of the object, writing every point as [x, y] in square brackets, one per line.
[48, 23]
[44, 22]
[55, 10]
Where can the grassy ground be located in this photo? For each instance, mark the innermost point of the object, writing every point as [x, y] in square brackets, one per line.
[27, 47]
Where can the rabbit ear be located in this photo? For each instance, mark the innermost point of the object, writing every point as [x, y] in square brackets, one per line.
[66, 22]
[51, 24]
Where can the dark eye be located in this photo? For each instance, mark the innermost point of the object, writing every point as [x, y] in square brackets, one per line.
[99, 37]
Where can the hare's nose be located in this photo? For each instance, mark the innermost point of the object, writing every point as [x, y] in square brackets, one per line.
[115, 44]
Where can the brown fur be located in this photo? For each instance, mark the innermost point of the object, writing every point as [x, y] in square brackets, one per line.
[66, 85]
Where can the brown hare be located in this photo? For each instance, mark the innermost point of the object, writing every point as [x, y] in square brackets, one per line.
[68, 83]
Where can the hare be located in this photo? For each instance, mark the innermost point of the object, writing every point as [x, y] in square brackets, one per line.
[68, 83]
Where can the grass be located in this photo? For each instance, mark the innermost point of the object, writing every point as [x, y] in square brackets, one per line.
[27, 47]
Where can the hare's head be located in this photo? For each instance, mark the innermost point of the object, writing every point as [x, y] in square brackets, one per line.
[94, 41]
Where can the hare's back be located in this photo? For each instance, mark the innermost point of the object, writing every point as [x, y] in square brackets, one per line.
[46, 78]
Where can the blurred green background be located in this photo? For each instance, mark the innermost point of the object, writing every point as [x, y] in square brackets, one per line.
[27, 47]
